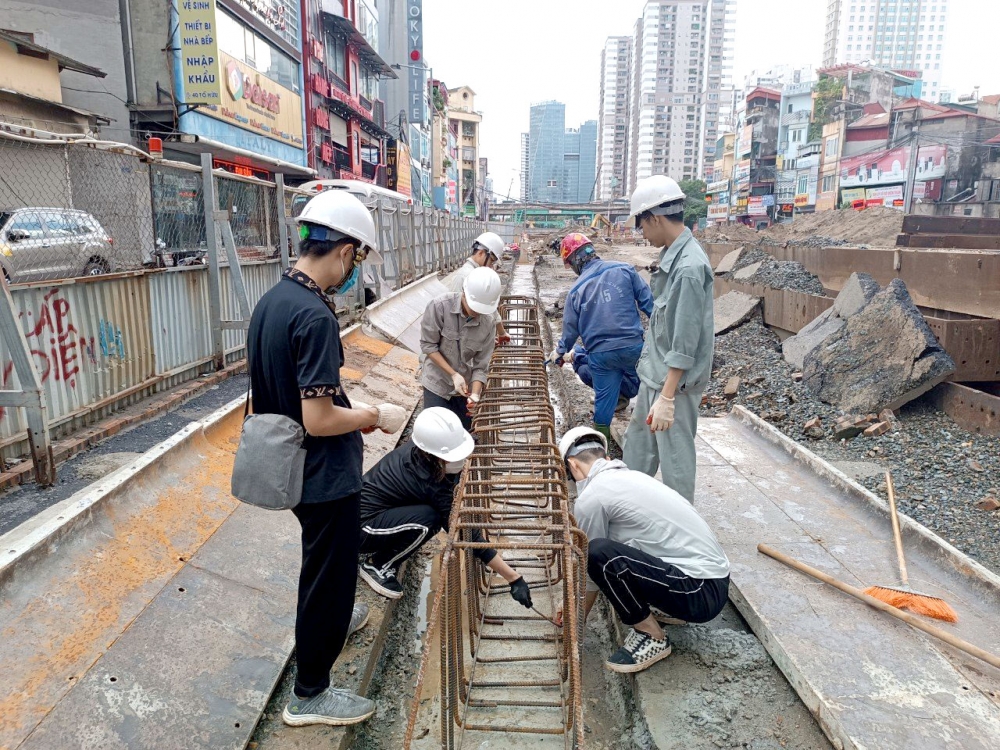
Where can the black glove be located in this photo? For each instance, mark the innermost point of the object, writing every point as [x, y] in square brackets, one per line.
[520, 593]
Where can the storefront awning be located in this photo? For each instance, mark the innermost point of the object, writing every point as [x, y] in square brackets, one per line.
[231, 153]
[366, 52]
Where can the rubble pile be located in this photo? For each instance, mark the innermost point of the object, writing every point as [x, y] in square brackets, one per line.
[875, 226]
[755, 266]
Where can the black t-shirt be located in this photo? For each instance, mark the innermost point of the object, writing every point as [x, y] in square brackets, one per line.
[295, 352]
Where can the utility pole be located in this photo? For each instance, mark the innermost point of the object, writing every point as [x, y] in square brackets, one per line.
[911, 169]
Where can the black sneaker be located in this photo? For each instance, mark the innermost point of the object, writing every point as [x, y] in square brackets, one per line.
[641, 651]
[622, 404]
[382, 580]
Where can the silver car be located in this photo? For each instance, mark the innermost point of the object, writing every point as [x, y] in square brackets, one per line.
[39, 244]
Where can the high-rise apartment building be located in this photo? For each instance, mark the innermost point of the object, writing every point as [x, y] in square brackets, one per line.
[894, 34]
[546, 138]
[579, 162]
[612, 126]
[681, 63]
[525, 166]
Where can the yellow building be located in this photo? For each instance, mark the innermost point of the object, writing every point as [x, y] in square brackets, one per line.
[829, 165]
[725, 146]
[464, 121]
[30, 90]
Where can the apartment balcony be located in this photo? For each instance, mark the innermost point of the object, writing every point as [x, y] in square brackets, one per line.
[793, 118]
[333, 15]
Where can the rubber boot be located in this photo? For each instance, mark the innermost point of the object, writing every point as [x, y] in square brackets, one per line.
[604, 429]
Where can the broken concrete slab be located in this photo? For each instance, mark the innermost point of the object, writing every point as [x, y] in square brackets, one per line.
[885, 356]
[733, 309]
[857, 292]
[747, 272]
[795, 348]
[728, 262]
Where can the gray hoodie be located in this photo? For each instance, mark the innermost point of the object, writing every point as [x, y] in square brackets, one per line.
[627, 506]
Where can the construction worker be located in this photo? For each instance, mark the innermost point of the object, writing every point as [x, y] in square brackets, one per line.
[487, 249]
[602, 308]
[580, 359]
[676, 362]
[295, 356]
[457, 337]
[650, 553]
[407, 498]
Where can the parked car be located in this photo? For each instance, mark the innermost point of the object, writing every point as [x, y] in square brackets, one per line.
[50, 243]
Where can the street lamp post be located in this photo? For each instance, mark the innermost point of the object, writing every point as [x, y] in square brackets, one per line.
[430, 102]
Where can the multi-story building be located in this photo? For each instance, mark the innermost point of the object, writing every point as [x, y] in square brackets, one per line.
[525, 166]
[579, 163]
[546, 137]
[793, 135]
[465, 121]
[612, 125]
[680, 51]
[345, 120]
[897, 34]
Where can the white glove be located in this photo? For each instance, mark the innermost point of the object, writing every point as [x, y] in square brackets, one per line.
[472, 402]
[556, 358]
[459, 384]
[391, 418]
[362, 406]
[661, 416]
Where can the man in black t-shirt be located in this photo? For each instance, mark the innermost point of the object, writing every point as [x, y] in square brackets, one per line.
[295, 356]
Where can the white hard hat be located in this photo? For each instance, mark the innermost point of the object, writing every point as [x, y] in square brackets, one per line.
[439, 431]
[482, 290]
[575, 437]
[655, 191]
[492, 242]
[344, 214]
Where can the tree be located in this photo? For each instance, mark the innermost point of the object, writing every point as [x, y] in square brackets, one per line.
[695, 207]
[827, 94]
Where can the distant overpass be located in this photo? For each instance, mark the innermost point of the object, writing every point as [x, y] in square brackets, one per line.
[557, 216]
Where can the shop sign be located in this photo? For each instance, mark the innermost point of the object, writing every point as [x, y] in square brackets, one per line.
[891, 166]
[258, 104]
[802, 199]
[717, 187]
[397, 167]
[199, 52]
[755, 206]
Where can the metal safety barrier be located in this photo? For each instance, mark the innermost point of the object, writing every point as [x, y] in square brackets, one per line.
[503, 668]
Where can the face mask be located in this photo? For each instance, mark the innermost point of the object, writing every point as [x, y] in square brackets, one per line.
[454, 467]
[344, 286]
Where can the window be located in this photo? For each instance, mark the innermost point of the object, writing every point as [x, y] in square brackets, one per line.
[831, 145]
[28, 222]
[551, 183]
[240, 42]
[828, 183]
[803, 186]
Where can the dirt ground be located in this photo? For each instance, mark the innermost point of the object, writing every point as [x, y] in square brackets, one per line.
[874, 226]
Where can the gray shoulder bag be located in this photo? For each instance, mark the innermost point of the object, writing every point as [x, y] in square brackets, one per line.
[270, 460]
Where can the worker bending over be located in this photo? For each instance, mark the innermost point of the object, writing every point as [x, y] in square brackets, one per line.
[602, 308]
[648, 550]
[407, 497]
[487, 250]
[676, 361]
[457, 336]
[580, 359]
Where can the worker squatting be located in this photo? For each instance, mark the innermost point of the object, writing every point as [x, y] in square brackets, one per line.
[650, 552]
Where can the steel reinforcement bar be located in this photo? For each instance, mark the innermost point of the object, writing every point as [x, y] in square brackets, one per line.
[504, 668]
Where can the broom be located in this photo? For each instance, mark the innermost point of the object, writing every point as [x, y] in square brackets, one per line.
[903, 597]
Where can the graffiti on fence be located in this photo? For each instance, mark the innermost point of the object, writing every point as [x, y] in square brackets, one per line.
[55, 344]
[112, 344]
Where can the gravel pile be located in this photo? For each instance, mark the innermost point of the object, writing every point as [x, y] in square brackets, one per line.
[874, 226]
[778, 274]
[940, 470]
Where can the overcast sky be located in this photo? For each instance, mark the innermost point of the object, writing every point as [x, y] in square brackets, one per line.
[518, 52]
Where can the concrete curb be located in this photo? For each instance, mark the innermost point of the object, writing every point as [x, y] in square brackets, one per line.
[962, 563]
[63, 450]
[37, 535]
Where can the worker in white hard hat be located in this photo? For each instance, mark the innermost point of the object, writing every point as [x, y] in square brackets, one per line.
[487, 250]
[676, 360]
[295, 356]
[650, 553]
[457, 335]
[407, 498]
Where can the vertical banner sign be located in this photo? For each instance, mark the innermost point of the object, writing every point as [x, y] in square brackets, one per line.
[199, 52]
[415, 43]
[391, 163]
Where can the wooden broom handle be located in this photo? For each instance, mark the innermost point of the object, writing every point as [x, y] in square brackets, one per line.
[871, 601]
[897, 536]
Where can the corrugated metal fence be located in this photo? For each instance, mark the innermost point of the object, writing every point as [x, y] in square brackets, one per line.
[103, 342]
